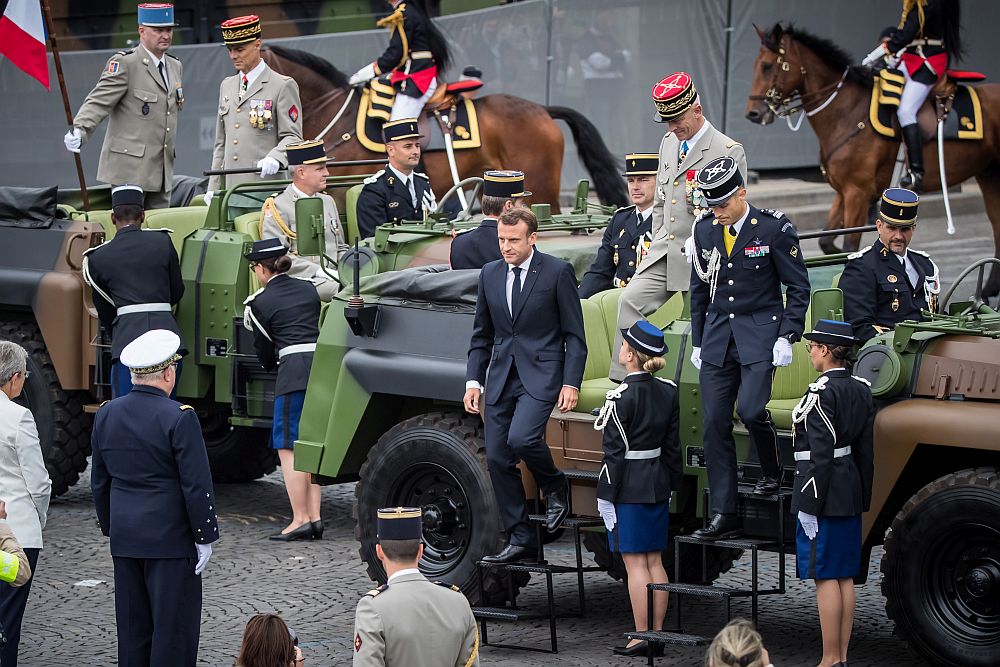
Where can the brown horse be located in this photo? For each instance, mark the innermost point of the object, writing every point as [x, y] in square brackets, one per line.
[515, 134]
[795, 67]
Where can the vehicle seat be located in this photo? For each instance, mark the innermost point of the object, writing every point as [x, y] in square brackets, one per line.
[351, 204]
[248, 224]
[182, 221]
[790, 383]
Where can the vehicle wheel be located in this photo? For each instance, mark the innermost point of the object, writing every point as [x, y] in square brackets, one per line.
[941, 569]
[437, 462]
[63, 426]
[235, 453]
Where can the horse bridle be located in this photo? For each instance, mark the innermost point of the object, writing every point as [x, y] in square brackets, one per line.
[785, 105]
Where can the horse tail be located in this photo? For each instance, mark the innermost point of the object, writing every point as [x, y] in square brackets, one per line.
[600, 163]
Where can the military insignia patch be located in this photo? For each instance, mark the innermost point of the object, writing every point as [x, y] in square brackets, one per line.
[891, 278]
[113, 67]
[785, 227]
[774, 212]
[357, 642]
[293, 113]
[392, 204]
[794, 251]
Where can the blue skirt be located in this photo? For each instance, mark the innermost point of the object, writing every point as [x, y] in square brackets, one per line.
[836, 551]
[641, 529]
[287, 412]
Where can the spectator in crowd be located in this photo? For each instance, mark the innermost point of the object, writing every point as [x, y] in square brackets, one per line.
[269, 642]
[24, 485]
[737, 645]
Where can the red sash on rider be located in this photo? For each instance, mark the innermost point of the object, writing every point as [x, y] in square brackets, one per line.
[422, 79]
[938, 62]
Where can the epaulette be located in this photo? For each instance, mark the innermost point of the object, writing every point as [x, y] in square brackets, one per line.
[252, 297]
[103, 403]
[667, 381]
[773, 212]
[616, 393]
[733, 143]
[374, 177]
[623, 208]
[704, 214]
[173, 56]
[422, 175]
[375, 591]
[855, 255]
[820, 384]
[158, 229]
[124, 52]
[445, 584]
[862, 380]
[919, 252]
[186, 407]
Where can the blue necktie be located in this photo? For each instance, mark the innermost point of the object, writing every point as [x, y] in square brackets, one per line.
[683, 153]
[515, 292]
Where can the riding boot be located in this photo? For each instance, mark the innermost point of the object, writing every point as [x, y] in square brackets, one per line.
[914, 156]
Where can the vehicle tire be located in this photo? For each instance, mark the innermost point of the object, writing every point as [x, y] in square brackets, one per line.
[437, 461]
[235, 453]
[941, 569]
[63, 426]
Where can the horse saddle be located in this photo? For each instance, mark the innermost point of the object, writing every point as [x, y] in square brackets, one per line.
[451, 101]
[952, 99]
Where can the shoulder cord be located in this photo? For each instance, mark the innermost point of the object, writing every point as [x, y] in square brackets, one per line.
[710, 274]
[475, 647]
[93, 284]
[272, 208]
[810, 401]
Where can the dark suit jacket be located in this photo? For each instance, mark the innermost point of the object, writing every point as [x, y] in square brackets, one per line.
[544, 338]
[150, 477]
[477, 247]
[385, 200]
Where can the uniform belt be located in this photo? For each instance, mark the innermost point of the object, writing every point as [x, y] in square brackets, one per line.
[837, 453]
[643, 453]
[144, 308]
[296, 349]
[926, 42]
[421, 55]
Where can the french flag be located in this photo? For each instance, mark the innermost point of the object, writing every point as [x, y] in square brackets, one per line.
[22, 38]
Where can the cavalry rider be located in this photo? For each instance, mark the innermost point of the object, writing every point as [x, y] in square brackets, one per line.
[417, 51]
[927, 38]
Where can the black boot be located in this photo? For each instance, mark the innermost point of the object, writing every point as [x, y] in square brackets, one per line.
[915, 157]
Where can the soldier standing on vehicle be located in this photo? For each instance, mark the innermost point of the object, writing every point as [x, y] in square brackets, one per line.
[740, 329]
[153, 492]
[409, 621]
[833, 481]
[141, 91]
[889, 282]
[136, 279]
[475, 248]
[260, 112]
[627, 232]
[690, 143]
[307, 162]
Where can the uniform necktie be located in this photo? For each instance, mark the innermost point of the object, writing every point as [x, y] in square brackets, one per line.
[244, 83]
[163, 73]
[413, 193]
[730, 239]
[515, 292]
[682, 152]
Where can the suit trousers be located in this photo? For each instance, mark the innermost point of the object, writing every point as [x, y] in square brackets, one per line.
[643, 295]
[515, 431]
[749, 386]
[158, 611]
[12, 603]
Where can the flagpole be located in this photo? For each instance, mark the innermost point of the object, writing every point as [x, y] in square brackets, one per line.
[65, 98]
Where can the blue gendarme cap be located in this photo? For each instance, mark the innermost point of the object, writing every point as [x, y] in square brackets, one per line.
[156, 15]
[646, 338]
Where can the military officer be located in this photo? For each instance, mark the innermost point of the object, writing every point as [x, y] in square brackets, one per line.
[740, 328]
[628, 230]
[141, 91]
[889, 281]
[153, 491]
[474, 248]
[691, 142]
[307, 162]
[397, 193]
[409, 620]
[136, 280]
[259, 110]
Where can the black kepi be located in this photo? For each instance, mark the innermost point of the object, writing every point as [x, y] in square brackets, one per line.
[719, 180]
[266, 249]
[399, 523]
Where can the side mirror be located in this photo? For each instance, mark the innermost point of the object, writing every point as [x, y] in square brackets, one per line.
[309, 226]
[543, 213]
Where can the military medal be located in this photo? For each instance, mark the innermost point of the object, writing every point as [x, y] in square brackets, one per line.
[145, 108]
[615, 258]
[895, 303]
[266, 115]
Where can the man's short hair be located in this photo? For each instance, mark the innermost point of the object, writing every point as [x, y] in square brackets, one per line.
[520, 214]
[493, 206]
[128, 213]
[400, 551]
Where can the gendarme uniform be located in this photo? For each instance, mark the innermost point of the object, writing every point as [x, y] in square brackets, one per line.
[257, 119]
[410, 621]
[882, 289]
[628, 231]
[153, 493]
[390, 197]
[277, 220]
[475, 248]
[834, 468]
[141, 97]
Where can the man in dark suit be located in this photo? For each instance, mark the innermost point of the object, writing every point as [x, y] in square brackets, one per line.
[529, 331]
[136, 279]
[502, 191]
[740, 329]
[889, 282]
[398, 192]
[153, 492]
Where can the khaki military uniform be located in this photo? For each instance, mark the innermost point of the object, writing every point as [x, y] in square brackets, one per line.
[412, 622]
[142, 126]
[662, 268]
[240, 142]
[277, 220]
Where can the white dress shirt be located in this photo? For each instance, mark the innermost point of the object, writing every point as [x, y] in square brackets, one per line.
[156, 66]
[693, 141]
[911, 271]
[24, 483]
[738, 225]
[408, 182]
[401, 573]
[255, 72]
[510, 279]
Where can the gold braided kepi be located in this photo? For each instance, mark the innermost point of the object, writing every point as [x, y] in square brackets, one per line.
[673, 95]
[241, 30]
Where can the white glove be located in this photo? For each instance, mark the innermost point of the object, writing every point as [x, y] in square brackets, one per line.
[877, 54]
[366, 73]
[208, 197]
[696, 357]
[689, 249]
[204, 553]
[606, 508]
[72, 141]
[268, 166]
[781, 353]
[810, 525]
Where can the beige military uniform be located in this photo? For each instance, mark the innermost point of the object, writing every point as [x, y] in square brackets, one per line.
[277, 220]
[142, 126]
[272, 100]
[412, 622]
[662, 268]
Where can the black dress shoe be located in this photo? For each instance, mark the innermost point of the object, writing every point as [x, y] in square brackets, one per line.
[557, 509]
[317, 527]
[513, 553]
[720, 527]
[303, 532]
[767, 486]
[640, 649]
